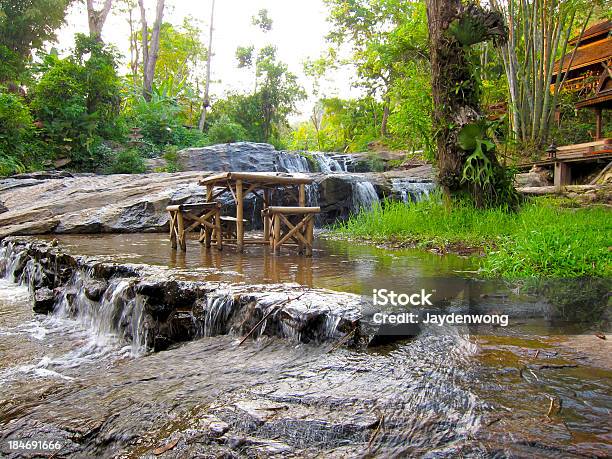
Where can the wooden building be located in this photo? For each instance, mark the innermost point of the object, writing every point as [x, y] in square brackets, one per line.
[589, 70]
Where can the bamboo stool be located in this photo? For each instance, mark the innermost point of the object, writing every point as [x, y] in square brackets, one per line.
[206, 216]
[229, 227]
[301, 231]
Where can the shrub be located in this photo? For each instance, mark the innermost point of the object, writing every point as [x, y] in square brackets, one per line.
[224, 130]
[77, 100]
[171, 157]
[16, 134]
[158, 122]
[128, 162]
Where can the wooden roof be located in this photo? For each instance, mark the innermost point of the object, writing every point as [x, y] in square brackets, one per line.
[599, 29]
[602, 100]
[587, 55]
[259, 178]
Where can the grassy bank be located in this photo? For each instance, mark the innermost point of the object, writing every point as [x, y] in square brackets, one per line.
[547, 237]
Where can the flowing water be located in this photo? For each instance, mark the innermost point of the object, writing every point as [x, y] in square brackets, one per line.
[75, 381]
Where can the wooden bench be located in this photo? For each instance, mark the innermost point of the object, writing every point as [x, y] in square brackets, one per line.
[206, 216]
[282, 229]
[229, 227]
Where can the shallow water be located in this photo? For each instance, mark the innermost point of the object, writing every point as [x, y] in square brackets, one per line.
[337, 265]
[443, 395]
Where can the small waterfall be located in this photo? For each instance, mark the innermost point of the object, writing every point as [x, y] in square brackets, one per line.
[327, 164]
[214, 318]
[117, 318]
[291, 163]
[410, 190]
[364, 196]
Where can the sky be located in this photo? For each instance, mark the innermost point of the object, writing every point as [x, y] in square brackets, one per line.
[298, 31]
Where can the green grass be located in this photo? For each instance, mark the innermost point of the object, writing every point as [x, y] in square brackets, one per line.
[547, 237]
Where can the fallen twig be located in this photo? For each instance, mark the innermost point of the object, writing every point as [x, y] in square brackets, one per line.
[343, 340]
[273, 308]
[381, 423]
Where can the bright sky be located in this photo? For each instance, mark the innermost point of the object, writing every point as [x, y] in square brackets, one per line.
[298, 31]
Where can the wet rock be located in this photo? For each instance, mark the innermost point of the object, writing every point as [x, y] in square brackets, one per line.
[259, 411]
[3, 208]
[218, 428]
[335, 197]
[88, 204]
[43, 175]
[241, 156]
[531, 179]
[94, 289]
[44, 299]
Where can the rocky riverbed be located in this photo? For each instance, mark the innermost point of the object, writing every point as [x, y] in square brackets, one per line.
[83, 378]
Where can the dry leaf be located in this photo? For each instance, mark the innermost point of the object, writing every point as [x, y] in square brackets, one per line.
[168, 446]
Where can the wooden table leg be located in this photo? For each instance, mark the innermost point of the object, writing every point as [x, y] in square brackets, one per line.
[173, 229]
[266, 218]
[277, 233]
[239, 216]
[181, 231]
[218, 230]
[309, 235]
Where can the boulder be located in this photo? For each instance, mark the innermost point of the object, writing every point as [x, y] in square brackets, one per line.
[94, 289]
[44, 299]
[243, 157]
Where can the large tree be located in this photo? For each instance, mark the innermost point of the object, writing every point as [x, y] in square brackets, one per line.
[150, 46]
[465, 156]
[97, 17]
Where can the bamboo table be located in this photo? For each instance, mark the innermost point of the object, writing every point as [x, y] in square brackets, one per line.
[261, 184]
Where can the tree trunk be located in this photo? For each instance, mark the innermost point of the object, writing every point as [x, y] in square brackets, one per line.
[150, 47]
[385, 116]
[456, 101]
[96, 19]
[206, 100]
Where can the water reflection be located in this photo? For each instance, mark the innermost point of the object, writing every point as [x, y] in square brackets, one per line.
[336, 265]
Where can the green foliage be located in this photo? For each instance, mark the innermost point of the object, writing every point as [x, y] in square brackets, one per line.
[26, 26]
[16, 134]
[158, 121]
[541, 239]
[468, 30]
[171, 157]
[11, 65]
[262, 114]
[180, 52]
[262, 20]
[224, 130]
[127, 162]
[77, 100]
[388, 40]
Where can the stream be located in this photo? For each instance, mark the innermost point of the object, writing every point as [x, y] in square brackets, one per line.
[539, 390]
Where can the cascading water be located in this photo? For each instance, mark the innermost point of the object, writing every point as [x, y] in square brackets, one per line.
[364, 196]
[327, 164]
[115, 319]
[215, 316]
[291, 163]
[410, 190]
